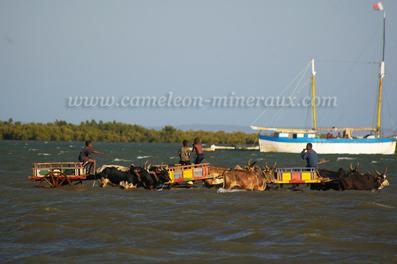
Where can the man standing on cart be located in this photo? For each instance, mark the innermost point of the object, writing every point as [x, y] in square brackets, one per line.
[85, 156]
[198, 148]
[184, 153]
[310, 156]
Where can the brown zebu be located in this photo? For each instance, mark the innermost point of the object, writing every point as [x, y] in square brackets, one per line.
[243, 179]
[251, 177]
[215, 176]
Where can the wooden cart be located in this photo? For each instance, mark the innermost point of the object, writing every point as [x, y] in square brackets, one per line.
[188, 173]
[58, 174]
[296, 175]
[182, 174]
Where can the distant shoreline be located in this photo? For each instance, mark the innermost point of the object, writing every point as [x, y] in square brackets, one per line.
[116, 132]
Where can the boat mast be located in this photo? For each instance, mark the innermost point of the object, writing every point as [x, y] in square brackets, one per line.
[314, 96]
[381, 76]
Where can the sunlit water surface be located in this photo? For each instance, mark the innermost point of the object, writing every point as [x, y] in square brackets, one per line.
[85, 224]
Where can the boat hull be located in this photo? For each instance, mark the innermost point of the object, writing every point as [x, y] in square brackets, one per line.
[386, 146]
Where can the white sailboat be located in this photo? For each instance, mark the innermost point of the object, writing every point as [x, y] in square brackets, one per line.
[292, 140]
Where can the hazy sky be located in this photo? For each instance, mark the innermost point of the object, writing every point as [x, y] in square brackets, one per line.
[50, 50]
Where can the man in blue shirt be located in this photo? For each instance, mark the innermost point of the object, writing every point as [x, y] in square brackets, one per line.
[310, 156]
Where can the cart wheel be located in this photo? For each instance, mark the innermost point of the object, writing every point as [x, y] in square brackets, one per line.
[65, 180]
[69, 181]
[53, 180]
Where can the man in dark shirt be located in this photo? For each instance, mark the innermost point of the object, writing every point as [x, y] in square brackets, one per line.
[310, 156]
[85, 157]
[198, 148]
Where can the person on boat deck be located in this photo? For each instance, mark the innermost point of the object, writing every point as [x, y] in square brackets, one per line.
[85, 156]
[198, 148]
[310, 156]
[184, 153]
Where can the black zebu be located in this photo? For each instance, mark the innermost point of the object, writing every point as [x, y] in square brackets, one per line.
[352, 180]
[133, 177]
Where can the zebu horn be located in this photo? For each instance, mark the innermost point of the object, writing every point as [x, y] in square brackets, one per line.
[145, 165]
[385, 172]
[238, 167]
[351, 167]
[266, 166]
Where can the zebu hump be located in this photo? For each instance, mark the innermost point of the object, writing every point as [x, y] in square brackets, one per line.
[118, 167]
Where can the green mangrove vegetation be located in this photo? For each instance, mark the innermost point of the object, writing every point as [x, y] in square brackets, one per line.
[114, 132]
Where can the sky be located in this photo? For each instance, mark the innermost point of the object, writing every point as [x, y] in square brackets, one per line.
[53, 49]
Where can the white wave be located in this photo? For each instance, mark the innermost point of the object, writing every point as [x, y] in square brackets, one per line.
[234, 236]
[143, 157]
[44, 154]
[312, 234]
[344, 158]
[223, 190]
[374, 161]
[33, 149]
[125, 160]
[383, 205]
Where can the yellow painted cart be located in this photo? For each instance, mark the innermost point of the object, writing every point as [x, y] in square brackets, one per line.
[186, 173]
[296, 176]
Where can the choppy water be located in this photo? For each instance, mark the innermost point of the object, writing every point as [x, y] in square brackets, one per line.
[197, 225]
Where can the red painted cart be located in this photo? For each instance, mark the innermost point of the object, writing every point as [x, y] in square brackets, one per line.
[57, 174]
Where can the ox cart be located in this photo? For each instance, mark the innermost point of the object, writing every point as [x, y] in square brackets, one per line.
[58, 174]
[213, 176]
[296, 175]
[185, 174]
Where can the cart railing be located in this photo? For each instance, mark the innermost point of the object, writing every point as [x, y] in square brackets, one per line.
[185, 173]
[41, 169]
[296, 175]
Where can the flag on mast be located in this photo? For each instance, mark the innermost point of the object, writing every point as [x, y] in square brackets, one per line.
[378, 6]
